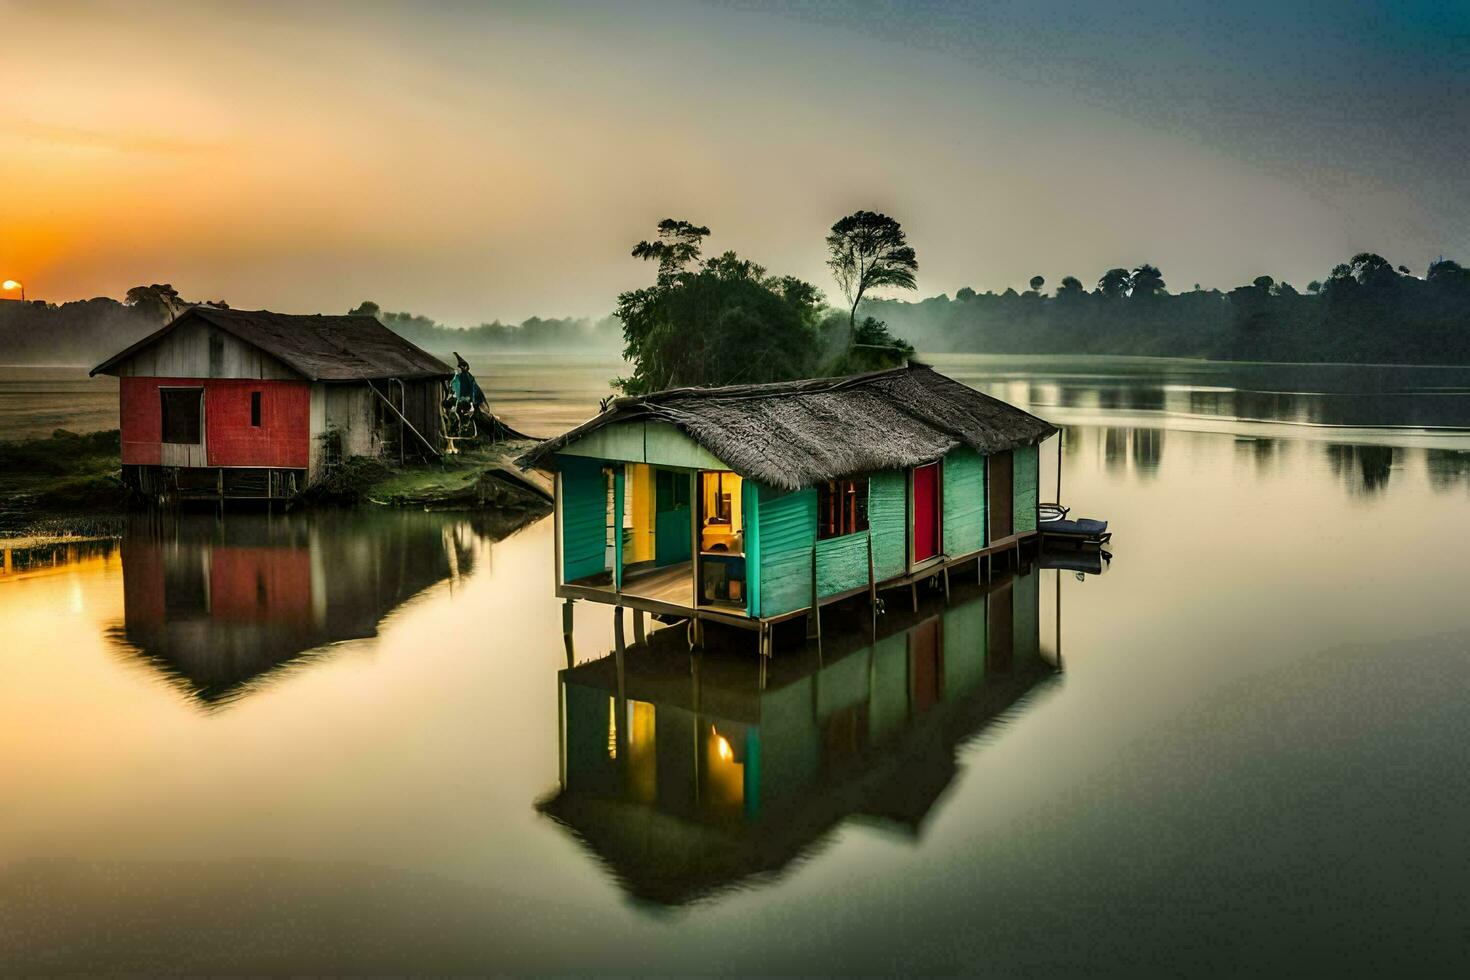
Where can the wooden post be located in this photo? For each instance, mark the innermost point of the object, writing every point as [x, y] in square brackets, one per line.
[566, 631]
[872, 588]
[914, 593]
[946, 585]
[814, 618]
[638, 626]
[1060, 433]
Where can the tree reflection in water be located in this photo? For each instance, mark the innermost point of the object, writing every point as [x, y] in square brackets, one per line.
[1449, 469]
[685, 778]
[1364, 469]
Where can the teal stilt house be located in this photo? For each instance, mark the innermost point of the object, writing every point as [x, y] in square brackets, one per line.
[754, 504]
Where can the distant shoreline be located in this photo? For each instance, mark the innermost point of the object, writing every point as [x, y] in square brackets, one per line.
[925, 356]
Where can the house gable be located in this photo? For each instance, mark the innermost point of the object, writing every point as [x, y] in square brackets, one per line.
[196, 349]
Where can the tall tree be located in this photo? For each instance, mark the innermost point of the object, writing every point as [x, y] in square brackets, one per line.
[1146, 282]
[1070, 288]
[867, 250]
[1114, 283]
[678, 243]
[160, 301]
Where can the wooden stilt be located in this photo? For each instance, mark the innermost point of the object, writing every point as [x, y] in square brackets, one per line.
[946, 585]
[872, 589]
[566, 632]
[814, 616]
[638, 626]
[914, 594]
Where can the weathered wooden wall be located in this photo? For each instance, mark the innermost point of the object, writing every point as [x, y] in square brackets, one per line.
[197, 350]
[888, 521]
[227, 437]
[658, 443]
[351, 413]
[583, 517]
[842, 563]
[964, 502]
[1027, 476]
[788, 529]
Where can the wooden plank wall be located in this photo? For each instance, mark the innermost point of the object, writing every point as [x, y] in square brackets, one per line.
[185, 353]
[1025, 480]
[584, 517]
[888, 522]
[964, 502]
[788, 529]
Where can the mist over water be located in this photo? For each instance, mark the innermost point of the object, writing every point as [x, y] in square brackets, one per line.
[328, 742]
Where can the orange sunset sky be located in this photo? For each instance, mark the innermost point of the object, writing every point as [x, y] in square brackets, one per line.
[473, 161]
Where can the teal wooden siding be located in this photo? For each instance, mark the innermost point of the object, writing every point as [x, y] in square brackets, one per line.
[583, 517]
[619, 477]
[787, 532]
[964, 501]
[673, 531]
[658, 443]
[888, 522]
[842, 563]
[750, 518]
[1027, 477]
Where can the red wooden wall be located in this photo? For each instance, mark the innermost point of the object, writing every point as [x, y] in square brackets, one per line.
[282, 439]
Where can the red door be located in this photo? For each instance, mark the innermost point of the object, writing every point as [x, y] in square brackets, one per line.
[926, 512]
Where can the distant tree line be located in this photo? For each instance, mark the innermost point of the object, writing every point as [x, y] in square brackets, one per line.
[580, 334]
[1364, 310]
[89, 331]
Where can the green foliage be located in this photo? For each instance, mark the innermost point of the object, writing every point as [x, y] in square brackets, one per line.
[1114, 283]
[1146, 282]
[722, 321]
[347, 483]
[62, 453]
[66, 472]
[1365, 310]
[872, 348]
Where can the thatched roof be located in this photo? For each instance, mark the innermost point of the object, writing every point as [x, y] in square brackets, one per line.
[792, 434]
[320, 348]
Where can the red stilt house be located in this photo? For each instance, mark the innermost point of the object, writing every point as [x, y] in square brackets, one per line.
[237, 403]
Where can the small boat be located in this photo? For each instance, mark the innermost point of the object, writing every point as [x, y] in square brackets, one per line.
[1055, 523]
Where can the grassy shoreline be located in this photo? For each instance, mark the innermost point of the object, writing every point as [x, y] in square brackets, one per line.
[70, 485]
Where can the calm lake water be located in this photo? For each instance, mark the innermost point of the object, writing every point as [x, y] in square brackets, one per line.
[337, 742]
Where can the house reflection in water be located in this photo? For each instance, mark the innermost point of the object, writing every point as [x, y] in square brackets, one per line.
[686, 778]
[217, 605]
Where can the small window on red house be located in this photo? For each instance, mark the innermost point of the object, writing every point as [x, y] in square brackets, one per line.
[255, 408]
[842, 507]
[183, 415]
